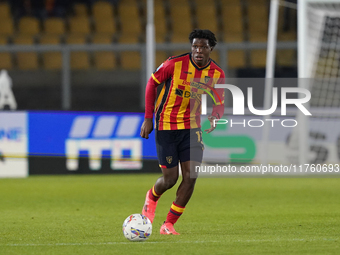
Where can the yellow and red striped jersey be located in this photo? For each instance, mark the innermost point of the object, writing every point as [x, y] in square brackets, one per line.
[179, 103]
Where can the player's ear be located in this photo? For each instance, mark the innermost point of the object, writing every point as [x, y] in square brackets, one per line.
[211, 49]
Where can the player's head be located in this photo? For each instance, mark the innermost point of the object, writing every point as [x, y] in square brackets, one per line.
[202, 43]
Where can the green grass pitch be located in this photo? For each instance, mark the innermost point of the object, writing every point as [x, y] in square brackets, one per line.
[84, 215]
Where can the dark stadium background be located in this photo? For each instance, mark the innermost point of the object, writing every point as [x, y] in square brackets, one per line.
[116, 84]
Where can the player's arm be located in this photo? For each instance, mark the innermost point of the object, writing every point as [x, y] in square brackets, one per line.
[218, 108]
[162, 73]
[150, 97]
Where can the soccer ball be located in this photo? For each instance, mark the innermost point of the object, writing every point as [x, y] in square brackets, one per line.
[137, 227]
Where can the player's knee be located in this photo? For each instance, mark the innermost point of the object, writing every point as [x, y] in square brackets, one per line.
[189, 180]
[192, 182]
[189, 176]
[170, 182]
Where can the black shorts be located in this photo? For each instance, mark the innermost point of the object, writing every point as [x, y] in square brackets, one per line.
[178, 145]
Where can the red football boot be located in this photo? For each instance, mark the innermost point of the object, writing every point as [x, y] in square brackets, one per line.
[168, 229]
[149, 207]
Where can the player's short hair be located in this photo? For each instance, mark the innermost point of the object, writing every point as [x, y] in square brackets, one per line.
[203, 34]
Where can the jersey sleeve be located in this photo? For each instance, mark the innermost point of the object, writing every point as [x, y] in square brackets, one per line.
[218, 109]
[161, 74]
[150, 97]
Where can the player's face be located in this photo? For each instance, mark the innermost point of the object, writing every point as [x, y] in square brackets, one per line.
[201, 50]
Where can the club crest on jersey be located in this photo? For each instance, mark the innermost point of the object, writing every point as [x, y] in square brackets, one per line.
[206, 79]
[169, 159]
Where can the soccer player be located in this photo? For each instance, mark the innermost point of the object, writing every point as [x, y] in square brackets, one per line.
[177, 121]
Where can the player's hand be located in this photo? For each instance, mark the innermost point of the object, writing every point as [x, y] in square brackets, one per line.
[212, 124]
[146, 128]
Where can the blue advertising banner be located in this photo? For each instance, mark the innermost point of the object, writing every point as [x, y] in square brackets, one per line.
[91, 137]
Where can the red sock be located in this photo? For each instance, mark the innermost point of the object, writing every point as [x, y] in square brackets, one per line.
[153, 195]
[174, 213]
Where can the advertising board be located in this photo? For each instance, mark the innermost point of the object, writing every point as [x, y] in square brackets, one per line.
[13, 144]
[87, 142]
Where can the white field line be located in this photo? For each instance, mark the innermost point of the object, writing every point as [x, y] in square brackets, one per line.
[172, 242]
[108, 243]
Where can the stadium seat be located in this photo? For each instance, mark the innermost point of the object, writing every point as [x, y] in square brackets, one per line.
[232, 21]
[160, 22]
[161, 56]
[5, 57]
[287, 27]
[29, 26]
[54, 26]
[181, 21]
[179, 2]
[236, 59]
[5, 10]
[51, 60]
[206, 15]
[26, 60]
[80, 10]
[6, 31]
[258, 58]
[103, 17]
[79, 25]
[6, 27]
[129, 22]
[105, 25]
[130, 60]
[286, 57]
[258, 12]
[215, 55]
[3, 40]
[102, 9]
[79, 60]
[104, 60]
[128, 38]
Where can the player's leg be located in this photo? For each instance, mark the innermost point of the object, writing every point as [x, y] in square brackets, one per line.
[191, 153]
[167, 180]
[186, 188]
[183, 195]
[163, 183]
[168, 161]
